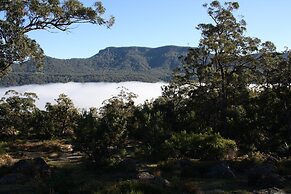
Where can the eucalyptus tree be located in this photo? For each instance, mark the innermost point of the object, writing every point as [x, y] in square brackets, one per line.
[16, 110]
[62, 117]
[18, 17]
[225, 61]
[275, 102]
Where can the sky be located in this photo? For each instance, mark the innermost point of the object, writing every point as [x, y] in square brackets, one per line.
[155, 23]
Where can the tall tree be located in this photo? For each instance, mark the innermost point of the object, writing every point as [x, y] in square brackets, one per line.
[16, 110]
[18, 17]
[225, 59]
[63, 116]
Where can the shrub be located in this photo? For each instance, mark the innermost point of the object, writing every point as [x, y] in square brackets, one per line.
[3, 147]
[102, 134]
[206, 145]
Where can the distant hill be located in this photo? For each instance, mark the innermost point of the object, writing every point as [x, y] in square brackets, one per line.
[113, 64]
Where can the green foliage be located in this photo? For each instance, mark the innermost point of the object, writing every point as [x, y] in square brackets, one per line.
[16, 111]
[224, 63]
[42, 125]
[3, 147]
[102, 135]
[207, 145]
[152, 126]
[212, 87]
[20, 17]
[61, 117]
[20, 117]
[57, 121]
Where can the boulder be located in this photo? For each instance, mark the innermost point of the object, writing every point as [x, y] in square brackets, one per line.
[221, 170]
[25, 170]
[36, 167]
[146, 177]
[184, 163]
[265, 175]
[212, 170]
[14, 178]
[189, 169]
[128, 165]
[273, 190]
[158, 180]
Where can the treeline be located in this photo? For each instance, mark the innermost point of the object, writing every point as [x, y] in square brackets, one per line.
[111, 76]
[105, 133]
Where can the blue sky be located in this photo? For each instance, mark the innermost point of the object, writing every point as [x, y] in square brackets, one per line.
[154, 23]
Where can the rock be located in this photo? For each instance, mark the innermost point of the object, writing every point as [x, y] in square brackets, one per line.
[221, 170]
[14, 178]
[145, 176]
[22, 166]
[273, 190]
[128, 165]
[191, 170]
[288, 177]
[215, 191]
[25, 170]
[149, 178]
[161, 181]
[42, 167]
[36, 167]
[265, 175]
[271, 160]
[184, 163]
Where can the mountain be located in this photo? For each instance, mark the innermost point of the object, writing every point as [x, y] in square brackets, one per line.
[113, 64]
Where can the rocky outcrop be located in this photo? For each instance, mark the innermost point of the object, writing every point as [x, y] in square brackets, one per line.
[221, 170]
[213, 170]
[128, 165]
[273, 190]
[147, 177]
[265, 175]
[25, 170]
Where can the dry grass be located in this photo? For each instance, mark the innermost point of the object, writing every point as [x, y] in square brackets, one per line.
[6, 160]
[42, 146]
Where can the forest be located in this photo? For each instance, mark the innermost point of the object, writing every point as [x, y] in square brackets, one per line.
[112, 64]
[222, 125]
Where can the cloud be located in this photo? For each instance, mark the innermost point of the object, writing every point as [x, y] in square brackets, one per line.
[86, 95]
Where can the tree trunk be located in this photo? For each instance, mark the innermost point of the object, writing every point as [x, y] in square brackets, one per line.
[223, 104]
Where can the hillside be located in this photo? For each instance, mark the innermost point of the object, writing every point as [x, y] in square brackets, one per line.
[113, 64]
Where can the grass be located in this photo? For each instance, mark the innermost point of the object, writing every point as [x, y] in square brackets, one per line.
[47, 146]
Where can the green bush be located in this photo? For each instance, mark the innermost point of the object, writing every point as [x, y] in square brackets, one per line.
[3, 147]
[95, 139]
[206, 145]
[102, 134]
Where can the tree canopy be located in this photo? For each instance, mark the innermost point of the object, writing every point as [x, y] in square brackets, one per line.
[226, 61]
[18, 17]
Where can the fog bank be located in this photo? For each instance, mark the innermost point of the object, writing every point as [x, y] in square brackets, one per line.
[86, 95]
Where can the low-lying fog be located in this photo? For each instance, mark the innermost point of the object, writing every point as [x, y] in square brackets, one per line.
[86, 95]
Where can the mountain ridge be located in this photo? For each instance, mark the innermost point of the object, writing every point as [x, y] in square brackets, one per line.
[112, 64]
